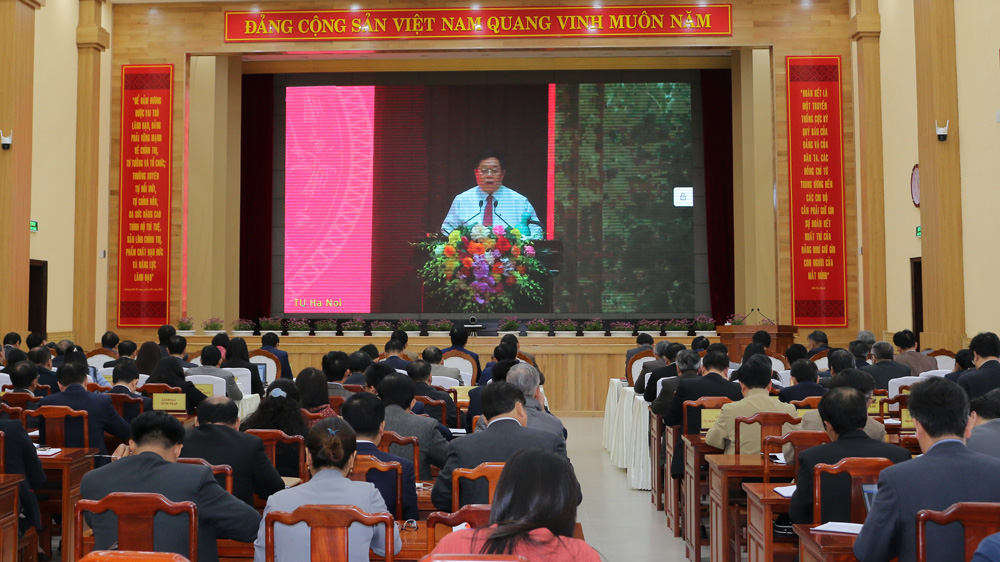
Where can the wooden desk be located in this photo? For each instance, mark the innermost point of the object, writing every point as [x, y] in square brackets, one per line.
[672, 486]
[907, 441]
[726, 472]
[8, 516]
[68, 467]
[763, 505]
[424, 504]
[695, 450]
[656, 432]
[824, 547]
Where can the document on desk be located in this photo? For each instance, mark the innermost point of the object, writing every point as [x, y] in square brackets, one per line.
[47, 451]
[840, 527]
[785, 491]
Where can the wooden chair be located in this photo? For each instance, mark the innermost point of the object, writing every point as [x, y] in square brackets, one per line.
[365, 463]
[800, 440]
[427, 401]
[780, 358]
[771, 423]
[328, 527]
[977, 518]
[118, 401]
[526, 359]
[308, 416]
[223, 470]
[945, 359]
[131, 556]
[269, 359]
[703, 403]
[271, 438]
[336, 402]
[393, 438]
[637, 360]
[355, 387]
[475, 514]
[11, 412]
[820, 355]
[135, 513]
[861, 471]
[488, 470]
[55, 423]
[151, 388]
[96, 387]
[43, 390]
[809, 402]
[19, 399]
[454, 398]
[473, 364]
[901, 401]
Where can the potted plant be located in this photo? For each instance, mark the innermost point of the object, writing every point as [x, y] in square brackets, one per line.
[651, 327]
[565, 328]
[736, 320]
[593, 328]
[381, 328]
[297, 327]
[353, 327]
[537, 328]
[438, 327]
[268, 324]
[411, 327]
[676, 328]
[622, 329]
[243, 327]
[326, 327]
[704, 325]
[508, 325]
[213, 326]
[185, 326]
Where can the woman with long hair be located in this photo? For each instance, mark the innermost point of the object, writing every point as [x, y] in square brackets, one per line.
[147, 358]
[280, 409]
[331, 448]
[238, 357]
[533, 513]
[77, 355]
[314, 393]
[221, 341]
[168, 370]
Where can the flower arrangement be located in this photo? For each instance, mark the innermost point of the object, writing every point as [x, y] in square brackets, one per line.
[737, 320]
[327, 325]
[268, 323]
[212, 324]
[648, 326]
[297, 325]
[622, 326]
[408, 325]
[676, 325]
[243, 325]
[353, 325]
[565, 325]
[595, 325]
[704, 323]
[537, 326]
[381, 326]
[767, 322]
[479, 269]
[185, 323]
[509, 324]
[439, 325]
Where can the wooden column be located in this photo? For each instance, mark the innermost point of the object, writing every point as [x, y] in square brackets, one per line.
[865, 29]
[17, 67]
[91, 41]
[940, 175]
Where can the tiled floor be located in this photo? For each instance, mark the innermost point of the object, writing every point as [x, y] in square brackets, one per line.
[621, 523]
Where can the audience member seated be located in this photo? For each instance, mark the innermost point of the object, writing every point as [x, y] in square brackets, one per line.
[366, 415]
[753, 350]
[988, 550]
[11, 341]
[659, 361]
[755, 382]
[164, 333]
[20, 457]
[79, 356]
[217, 439]
[370, 350]
[866, 337]
[649, 390]
[357, 365]
[36, 339]
[964, 363]
[985, 351]
[511, 340]
[330, 454]
[126, 378]
[795, 352]
[101, 415]
[334, 365]
[269, 342]
[109, 341]
[525, 377]
[42, 359]
[211, 358]
[947, 473]
[475, 408]
[805, 373]
[699, 343]
[24, 379]
[314, 395]
[61, 348]
[985, 435]
[392, 350]
[168, 371]
[397, 393]
[238, 357]
[506, 434]
[908, 355]
[434, 356]
[688, 363]
[280, 409]
[860, 351]
[150, 466]
[127, 349]
[761, 337]
[533, 514]
[885, 368]
[818, 342]
[643, 342]
[839, 360]
[844, 412]
[147, 357]
[420, 372]
[459, 336]
[221, 341]
[501, 352]
[176, 347]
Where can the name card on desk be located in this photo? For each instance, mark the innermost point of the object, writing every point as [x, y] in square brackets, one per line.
[170, 401]
[907, 420]
[207, 389]
[708, 418]
[873, 408]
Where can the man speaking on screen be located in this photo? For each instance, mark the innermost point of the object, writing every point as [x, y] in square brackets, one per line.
[490, 203]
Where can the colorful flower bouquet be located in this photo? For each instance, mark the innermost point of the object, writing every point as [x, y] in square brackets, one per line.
[269, 324]
[439, 325]
[704, 323]
[185, 323]
[509, 324]
[243, 325]
[212, 325]
[479, 269]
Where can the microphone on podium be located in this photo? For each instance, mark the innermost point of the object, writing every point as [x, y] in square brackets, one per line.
[499, 216]
[461, 224]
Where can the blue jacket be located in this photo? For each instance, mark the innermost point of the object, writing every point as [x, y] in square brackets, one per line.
[286, 369]
[101, 417]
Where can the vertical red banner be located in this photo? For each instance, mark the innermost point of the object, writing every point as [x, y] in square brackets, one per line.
[816, 191]
[144, 195]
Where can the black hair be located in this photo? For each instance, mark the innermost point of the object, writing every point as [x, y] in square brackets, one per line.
[854, 378]
[394, 346]
[157, 428]
[40, 356]
[370, 350]
[699, 343]
[459, 336]
[210, 355]
[15, 356]
[762, 337]
[279, 409]
[168, 370]
[504, 351]
[176, 345]
[432, 355]
[750, 350]
[419, 370]
[819, 337]
[941, 407]
[509, 339]
[644, 339]
[840, 359]
[335, 365]
[76, 355]
[313, 391]
[965, 359]
[165, 332]
[125, 371]
[845, 408]
[269, 339]
[35, 339]
[795, 352]
[499, 398]
[71, 373]
[127, 348]
[358, 361]
[23, 374]
[397, 390]
[12, 338]
[149, 354]
[756, 371]
[805, 370]
[673, 349]
[488, 153]
[221, 340]
[718, 347]
[715, 360]
[218, 409]
[500, 369]
[400, 336]
[986, 406]
[365, 412]
[376, 372]
[904, 339]
[985, 344]
[238, 350]
[109, 339]
[331, 442]
[858, 349]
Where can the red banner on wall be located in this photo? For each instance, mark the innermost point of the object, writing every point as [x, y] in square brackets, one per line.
[482, 23]
[816, 189]
[144, 195]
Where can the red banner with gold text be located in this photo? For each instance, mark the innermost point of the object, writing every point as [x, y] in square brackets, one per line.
[144, 195]
[480, 23]
[816, 191]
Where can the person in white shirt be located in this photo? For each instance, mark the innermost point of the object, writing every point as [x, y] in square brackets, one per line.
[490, 203]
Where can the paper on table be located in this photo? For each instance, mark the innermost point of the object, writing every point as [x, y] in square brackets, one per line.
[778, 458]
[49, 452]
[785, 491]
[839, 527]
[33, 433]
[457, 431]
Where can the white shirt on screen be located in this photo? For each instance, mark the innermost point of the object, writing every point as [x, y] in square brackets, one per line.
[511, 207]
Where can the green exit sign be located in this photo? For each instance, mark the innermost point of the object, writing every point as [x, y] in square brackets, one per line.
[918, 231]
[33, 226]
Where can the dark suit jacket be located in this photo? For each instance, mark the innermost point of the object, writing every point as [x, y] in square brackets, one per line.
[475, 408]
[955, 375]
[982, 380]
[800, 391]
[666, 395]
[286, 368]
[386, 481]
[836, 490]
[253, 473]
[647, 368]
[20, 458]
[487, 375]
[451, 413]
[884, 371]
[818, 349]
[396, 362]
[632, 352]
[649, 392]
[101, 417]
[497, 443]
[256, 386]
[355, 378]
[946, 474]
[710, 384]
[220, 515]
[48, 378]
[132, 410]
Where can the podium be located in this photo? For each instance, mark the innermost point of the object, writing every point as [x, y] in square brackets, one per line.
[736, 338]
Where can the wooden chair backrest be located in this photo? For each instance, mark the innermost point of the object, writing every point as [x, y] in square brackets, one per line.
[272, 357]
[55, 423]
[336, 402]
[861, 470]
[978, 519]
[223, 470]
[308, 416]
[467, 357]
[488, 470]
[903, 400]
[12, 412]
[355, 387]
[102, 351]
[711, 402]
[771, 423]
[940, 353]
[638, 357]
[451, 391]
[427, 401]
[96, 387]
[132, 556]
[393, 438]
[271, 438]
[475, 514]
[526, 359]
[118, 401]
[800, 441]
[3, 451]
[820, 355]
[880, 392]
[328, 528]
[402, 355]
[135, 513]
[364, 463]
[19, 399]
[151, 388]
[779, 357]
[808, 402]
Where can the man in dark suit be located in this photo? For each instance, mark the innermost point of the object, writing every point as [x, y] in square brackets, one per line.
[506, 434]
[885, 368]
[649, 392]
[11, 341]
[964, 363]
[24, 378]
[459, 336]
[42, 358]
[176, 346]
[164, 333]
[844, 412]
[475, 408]
[985, 435]
[101, 415]
[501, 352]
[392, 350]
[397, 393]
[269, 343]
[659, 361]
[687, 363]
[127, 349]
[712, 382]
[860, 351]
[125, 378]
[420, 373]
[357, 364]
[804, 377]
[334, 365]
[151, 467]
[217, 439]
[21, 458]
[366, 414]
[945, 474]
[985, 351]
[818, 342]
[643, 342]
